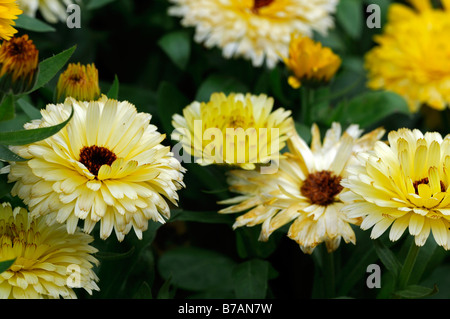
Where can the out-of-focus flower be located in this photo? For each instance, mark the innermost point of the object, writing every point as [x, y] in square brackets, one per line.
[310, 63]
[107, 165]
[19, 60]
[79, 82]
[9, 11]
[306, 189]
[49, 262]
[412, 55]
[403, 185]
[257, 30]
[236, 129]
[52, 10]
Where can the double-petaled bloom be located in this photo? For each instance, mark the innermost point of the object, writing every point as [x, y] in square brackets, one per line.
[106, 165]
[52, 11]
[305, 190]
[9, 11]
[78, 81]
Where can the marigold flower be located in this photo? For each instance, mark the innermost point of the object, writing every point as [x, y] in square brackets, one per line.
[9, 11]
[306, 189]
[107, 165]
[49, 262]
[403, 185]
[310, 63]
[19, 61]
[234, 129]
[412, 55]
[257, 30]
[79, 82]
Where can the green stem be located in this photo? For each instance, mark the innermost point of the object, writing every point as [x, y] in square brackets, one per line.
[306, 95]
[328, 272]
[405, 272]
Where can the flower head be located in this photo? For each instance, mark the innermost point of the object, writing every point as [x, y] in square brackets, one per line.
[19, 60]
[107, 165]
[403, 185]
[79, 82]
[412, 55]
[257, 30]
[234, 129]
[310, 63]
[49, 262]
[52, 10]
[306, 189]
[9, 11]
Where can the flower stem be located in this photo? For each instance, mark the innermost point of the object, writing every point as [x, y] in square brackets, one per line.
[405, 272]
[305, 96]
[328, 272]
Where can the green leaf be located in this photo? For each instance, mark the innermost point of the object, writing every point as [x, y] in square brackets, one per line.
[144, 292]
[416, 292]
[23, 137]
[29, 109]
[105, 255]
[165, 292]
[219, 83]
[29, 23]
[7, 155]
[113, 92]
[369, 108]
[387, 257]
[350, 16]
[49, 67]
[170, 101]
[7, 110]
[250, 279]
[196, 269]
[209, 217]
[96, 4]
[4, 265]
[177, 46]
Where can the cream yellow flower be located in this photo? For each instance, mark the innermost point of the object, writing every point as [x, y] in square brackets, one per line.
[78, 81]
[403, 185]
[412, 55]
[9, 11]
[310, 63]
[256, 30]
[49, 262]
[306, 189]
[52, 10]
[107, 165]
[235, 129]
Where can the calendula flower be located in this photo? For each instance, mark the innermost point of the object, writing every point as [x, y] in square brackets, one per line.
[306, 189]
[19, 61]
[256, 30]
[107, 165]
[310, 63]
[9, 11]
[78, 81]
[235, 129]
[411, 57]
[49, 262]
[51, 10]
[403, 185]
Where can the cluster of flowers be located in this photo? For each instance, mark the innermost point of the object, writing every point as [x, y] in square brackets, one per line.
[108, 166]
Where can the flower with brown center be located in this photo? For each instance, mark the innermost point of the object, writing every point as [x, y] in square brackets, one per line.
[306, 189]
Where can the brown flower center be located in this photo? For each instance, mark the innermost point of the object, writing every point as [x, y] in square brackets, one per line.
[426, 181]
[258, 4]
[321, 187]
[93, 157]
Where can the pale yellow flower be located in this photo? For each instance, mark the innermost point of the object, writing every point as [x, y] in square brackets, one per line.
[403, 185]
[52, 11]
[306, 190]
[107, 165]
[49, 262]
[258, 30]
[235, 129]
[412, 56]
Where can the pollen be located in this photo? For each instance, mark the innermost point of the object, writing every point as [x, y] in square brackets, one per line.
[321, 187]
[94, 157]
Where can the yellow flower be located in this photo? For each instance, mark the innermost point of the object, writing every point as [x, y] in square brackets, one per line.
[310, 63]
[412, 57]
[49, 263]
[306, 190]
[78, 81]
[107, 165]
[19, 60]
[256, 30]
[236, 129]
[9, 10]
[403, 185]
